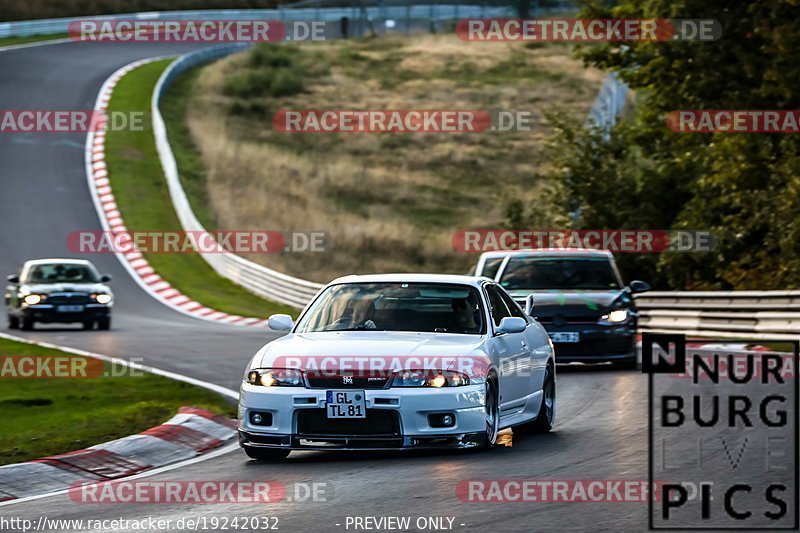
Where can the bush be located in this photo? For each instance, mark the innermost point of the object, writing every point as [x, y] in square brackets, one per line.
[286, 83]
[271, 55]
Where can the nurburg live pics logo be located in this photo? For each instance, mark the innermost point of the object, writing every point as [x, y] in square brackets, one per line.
[724, 444]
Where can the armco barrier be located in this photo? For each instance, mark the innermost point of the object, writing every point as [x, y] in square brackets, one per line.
[728, 314]
[375, 15]
[263, 281]
[767, 314]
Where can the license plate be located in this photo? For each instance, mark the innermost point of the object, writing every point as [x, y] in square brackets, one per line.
[69, 308]
[345, 404]
[566, 336]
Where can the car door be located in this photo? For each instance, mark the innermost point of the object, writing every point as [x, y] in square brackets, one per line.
[513, 354]
[537, 340]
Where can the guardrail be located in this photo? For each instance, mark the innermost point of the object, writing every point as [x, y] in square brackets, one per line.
[728, 314]
[609, 104]
[256, 278]
[402, 15]
[742, 314]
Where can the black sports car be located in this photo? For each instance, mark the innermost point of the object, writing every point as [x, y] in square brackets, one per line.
[58, 290]
[578, 296]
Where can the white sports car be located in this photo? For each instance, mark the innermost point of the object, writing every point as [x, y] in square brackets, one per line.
[398, 361]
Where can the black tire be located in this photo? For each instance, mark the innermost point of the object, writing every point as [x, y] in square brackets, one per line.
[13, 322]
[88, 324]
[547, 410]
[104, 324]
[266, 454]
[492, 407]
[26, 324]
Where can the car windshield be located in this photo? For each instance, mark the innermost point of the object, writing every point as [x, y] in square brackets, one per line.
[61, 273]
[421, 307]
[559, 273]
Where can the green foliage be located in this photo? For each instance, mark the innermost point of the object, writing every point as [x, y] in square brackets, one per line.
[742, 187]
[273, 71]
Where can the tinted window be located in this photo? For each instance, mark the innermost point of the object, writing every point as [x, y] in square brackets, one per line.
[61, 273]
[424, 307]
[499, 309]
[491, 266]
[565, 273]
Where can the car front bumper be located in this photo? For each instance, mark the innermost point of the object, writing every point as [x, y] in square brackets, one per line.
[397, 418]
[597, 343]
[49, 313]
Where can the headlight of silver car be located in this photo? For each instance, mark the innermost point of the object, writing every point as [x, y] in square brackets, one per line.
[615, 317]
[430, 378]
[275, 377]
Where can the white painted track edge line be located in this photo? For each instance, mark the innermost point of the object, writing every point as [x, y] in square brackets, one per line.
[230, 393]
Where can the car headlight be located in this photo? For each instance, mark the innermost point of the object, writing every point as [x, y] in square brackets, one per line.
[102, 298]
[429, 378]
[275, 377]
[615, 317]
[33, 299]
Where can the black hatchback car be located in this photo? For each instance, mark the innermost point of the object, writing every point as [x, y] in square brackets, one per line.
[61, 291]
[578, 296]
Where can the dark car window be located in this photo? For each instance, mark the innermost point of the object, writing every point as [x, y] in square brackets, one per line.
[491, 266]
[396, 306]
[564, 273]
[61, 273]
[499, 309]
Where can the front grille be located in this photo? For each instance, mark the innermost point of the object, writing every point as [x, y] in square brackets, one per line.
[378, 423]
[615, 346]
[319, 381]
[566, 317]
[72, 298]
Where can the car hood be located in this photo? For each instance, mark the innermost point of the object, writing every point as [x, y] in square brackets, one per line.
[441, 348]
[574, 302]
[47, 288]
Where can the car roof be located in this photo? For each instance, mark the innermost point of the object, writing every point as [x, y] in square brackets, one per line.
[56, 260]
[551, 252]
[475, 281]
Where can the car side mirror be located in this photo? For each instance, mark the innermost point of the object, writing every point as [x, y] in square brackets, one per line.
[13, 278]
[529, 305]
[280, 322]
[105, 278]
[512, 324]
[637, 286]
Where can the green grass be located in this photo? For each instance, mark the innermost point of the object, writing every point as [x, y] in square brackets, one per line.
[143, 198]
[10, 41]
[46, 416]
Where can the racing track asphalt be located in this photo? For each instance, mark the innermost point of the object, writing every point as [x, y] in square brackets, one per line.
[601, 427]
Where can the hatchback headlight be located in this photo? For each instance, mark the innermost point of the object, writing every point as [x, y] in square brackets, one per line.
[615, 317]
[33, 299]
[275, 377]
[429, 378]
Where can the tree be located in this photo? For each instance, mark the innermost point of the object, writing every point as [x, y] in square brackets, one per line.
[742, 186]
